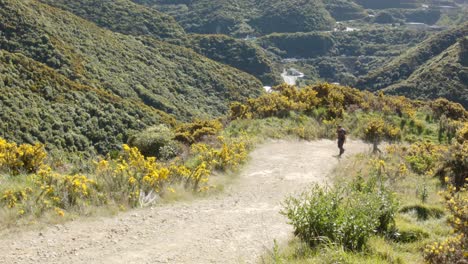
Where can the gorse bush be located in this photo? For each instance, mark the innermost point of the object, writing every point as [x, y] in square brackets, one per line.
[452, 249]
[157, 141]
[378, 130]
[423, 157]
[190, 133]
[455, 161]
[347, 215]
[21, 158]
[128, 180]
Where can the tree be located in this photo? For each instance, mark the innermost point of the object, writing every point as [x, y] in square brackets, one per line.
[377, 130]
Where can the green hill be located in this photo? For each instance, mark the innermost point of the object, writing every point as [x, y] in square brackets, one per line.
[445, 75]
[344, 10]
[403, 66]
[123, 16]
[126, 17]
[164, 76]
[144, 74]
[39, 104]
[246, 17]
[240, 54]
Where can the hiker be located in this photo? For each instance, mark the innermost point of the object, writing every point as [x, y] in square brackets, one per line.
[341, 133]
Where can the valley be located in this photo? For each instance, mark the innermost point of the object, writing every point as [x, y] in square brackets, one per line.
[196, 131]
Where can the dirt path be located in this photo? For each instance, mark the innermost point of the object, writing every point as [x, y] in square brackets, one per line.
[233, 227]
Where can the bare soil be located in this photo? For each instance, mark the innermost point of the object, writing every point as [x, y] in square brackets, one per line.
[236, 226]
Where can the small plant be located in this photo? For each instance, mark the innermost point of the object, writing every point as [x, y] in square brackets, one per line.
[157, 141]
[453, 249]
[344, 215]
[23, 158]
[191, 133]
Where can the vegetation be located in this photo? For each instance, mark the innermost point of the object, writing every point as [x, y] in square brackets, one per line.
[110, 104]
[340, 56]
[346, 215]
[344, 10]
[246, 17]
[239, 54]
[34, 188]
[374, 214]
[444, 70]
[403, 66]
[41, 105]
[163, 76]
[124, 16]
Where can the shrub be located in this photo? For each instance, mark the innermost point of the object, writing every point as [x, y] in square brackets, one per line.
[63, 191]
[455, 162]
[156, 141]
[450, 109]
[453, 249]
[348, 216]
[423, 156]
[24, 157]
[132, 177]
[378, 130]
[446, 252]
[193, 132]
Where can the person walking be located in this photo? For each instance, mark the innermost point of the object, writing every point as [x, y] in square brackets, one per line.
[341, 134]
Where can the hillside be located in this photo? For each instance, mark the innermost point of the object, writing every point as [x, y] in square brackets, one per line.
[167, 77]
[240, 54]
[404, 65]
[247, 17]
[448, 70]
[123, 16]
[129, 18]
[39, 104]
[340, 56]
[344, 10]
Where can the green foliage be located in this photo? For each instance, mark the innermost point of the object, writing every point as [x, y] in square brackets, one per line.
[344, 215]
[378, 130]
[156, 141]
[423, 212]
[425, 70]
[239, 54]
[124, 16]
[167, 77]
[246, 17]
[344, 10]
[299, 44]
[292, 16]
[101, 86]
[195, 131]
[63, 114]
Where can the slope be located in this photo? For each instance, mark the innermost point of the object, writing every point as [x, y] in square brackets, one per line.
[167, 77]
[123, 16]
[39, 104]
[240, 54]
[445, 75]
[128, 18]
[404, 65]
[246, 17]
[233, 227]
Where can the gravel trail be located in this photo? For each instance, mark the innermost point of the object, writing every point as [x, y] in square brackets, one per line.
[236, 226]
